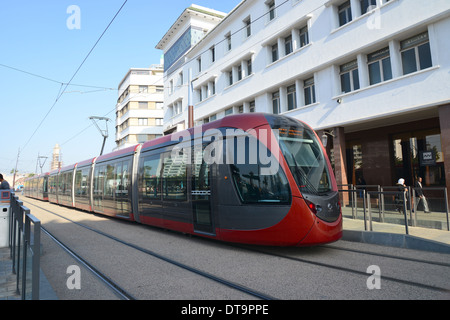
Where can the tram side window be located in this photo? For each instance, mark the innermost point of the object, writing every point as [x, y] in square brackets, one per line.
[99, 180]
[174, 177]
[81, 182]
[125, 178]
[254, 187]
[151, 186]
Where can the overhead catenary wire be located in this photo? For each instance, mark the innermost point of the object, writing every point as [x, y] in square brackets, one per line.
[53, 80]
[73, 76]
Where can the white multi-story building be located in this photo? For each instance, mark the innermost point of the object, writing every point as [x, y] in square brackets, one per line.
[139, 110]
[372, 75]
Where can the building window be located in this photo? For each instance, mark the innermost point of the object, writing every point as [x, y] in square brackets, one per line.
[230, 77]
[143, 89]
[228, 41]
[291, 98]
[248, 27]
[271, 9]
[181, 78]
[274, 52]
[249, 67]
[310, 91]
[252, 106]
[288, 45]
[304, 37]
[416, 53]
[229, 111]
[213, 53]
[379, 64]
[170, 86]
[241, 109]
[367, 5]
[141, 138]
[239, 72]
[143, 121]
[159, 121]
[199, 62]
[349, 76]
[345, 13]
[213, 87]
[143, 105]
[276, 102]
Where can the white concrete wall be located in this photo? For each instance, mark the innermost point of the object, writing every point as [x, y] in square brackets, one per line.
[329, 47]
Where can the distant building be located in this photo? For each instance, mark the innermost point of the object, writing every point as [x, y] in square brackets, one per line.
[56, 158]
[139, 110]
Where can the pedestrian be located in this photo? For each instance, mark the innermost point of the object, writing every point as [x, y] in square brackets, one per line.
[399, 196]
[4, 185]
[419, 193]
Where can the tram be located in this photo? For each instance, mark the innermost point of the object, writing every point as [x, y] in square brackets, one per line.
[252, 178]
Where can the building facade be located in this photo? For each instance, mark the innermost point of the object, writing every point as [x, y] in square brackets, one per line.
[373, 76]
[139, 110]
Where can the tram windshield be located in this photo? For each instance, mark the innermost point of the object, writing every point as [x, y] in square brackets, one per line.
[305, 158]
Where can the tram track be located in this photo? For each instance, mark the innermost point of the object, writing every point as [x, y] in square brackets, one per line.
[435, 263]
[112, 285]
[322, 253]
[122, 292]
[358, 272]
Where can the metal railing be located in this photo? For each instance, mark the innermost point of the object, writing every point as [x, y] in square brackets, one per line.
[391, 202]
[25, 246]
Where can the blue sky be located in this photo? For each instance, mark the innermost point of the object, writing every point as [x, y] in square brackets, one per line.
[34, 37]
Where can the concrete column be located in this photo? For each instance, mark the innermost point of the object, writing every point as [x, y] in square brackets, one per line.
[340, 161]
[444, 119]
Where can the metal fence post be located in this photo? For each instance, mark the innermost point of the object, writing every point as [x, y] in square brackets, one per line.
[446, 207]
[404, 212]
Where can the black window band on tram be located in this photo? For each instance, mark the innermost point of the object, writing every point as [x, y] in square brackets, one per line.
[308, 165]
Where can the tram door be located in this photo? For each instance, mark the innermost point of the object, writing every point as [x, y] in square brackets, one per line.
[201, 193]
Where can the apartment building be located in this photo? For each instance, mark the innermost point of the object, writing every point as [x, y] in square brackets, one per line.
[372, 77]
[139, 109]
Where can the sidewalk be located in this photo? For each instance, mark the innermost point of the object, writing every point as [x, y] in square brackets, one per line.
[8, 280]
[389, 234]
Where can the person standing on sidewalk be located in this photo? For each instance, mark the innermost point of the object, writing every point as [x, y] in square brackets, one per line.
[4, 185]
[401, 195]
[419, 193]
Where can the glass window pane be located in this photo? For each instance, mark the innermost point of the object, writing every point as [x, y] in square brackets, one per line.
[151, 187]
[425, 56]
[387, 70]
[307, 96]
[355, 79]
[174, 177]
[409, 61]
[345, 82]
[255, 187]
[374, 73]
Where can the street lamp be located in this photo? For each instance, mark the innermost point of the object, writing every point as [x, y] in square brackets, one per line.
[325, 137]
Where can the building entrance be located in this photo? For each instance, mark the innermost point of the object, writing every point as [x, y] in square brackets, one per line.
[419, 154]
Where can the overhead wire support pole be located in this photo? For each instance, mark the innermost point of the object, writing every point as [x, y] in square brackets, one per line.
[104, 133]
